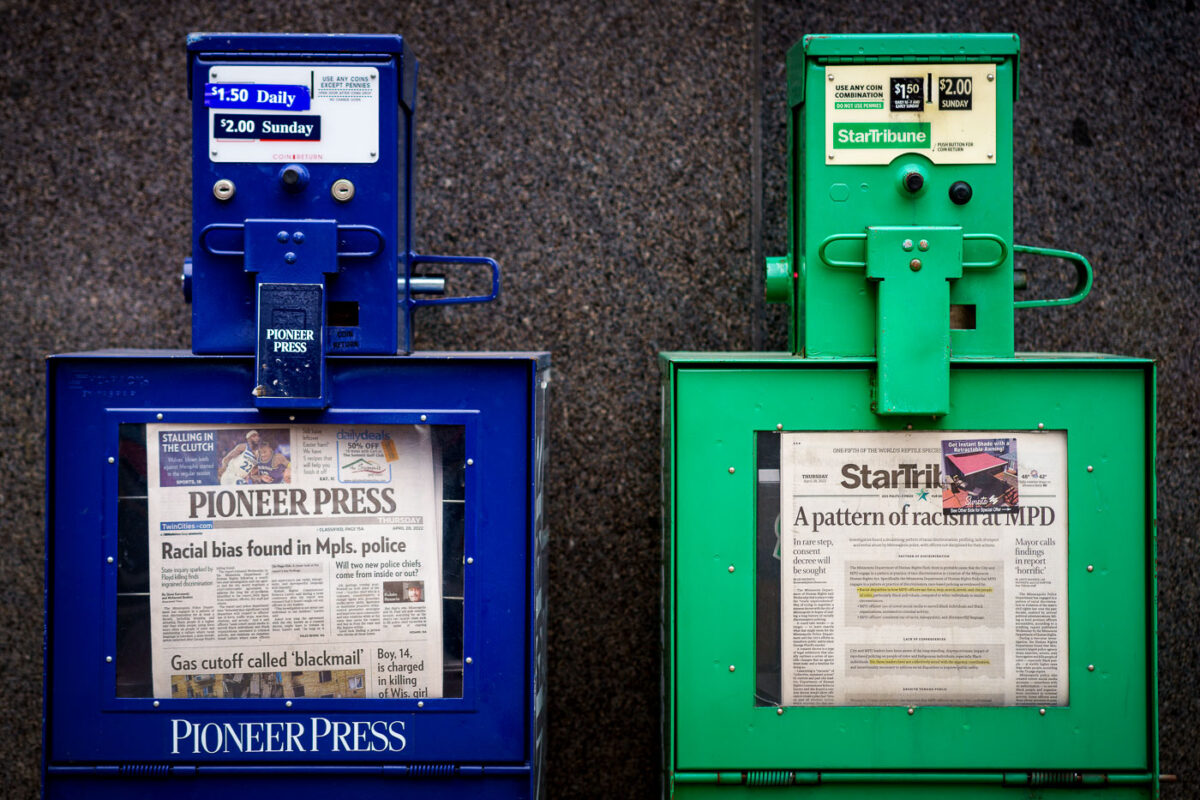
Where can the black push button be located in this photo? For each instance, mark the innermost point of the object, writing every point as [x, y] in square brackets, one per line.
[960, 193]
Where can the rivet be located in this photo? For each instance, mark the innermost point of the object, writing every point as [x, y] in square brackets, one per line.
[990, 155]
[731, 470]
[991, 76]
[470, 462]
[109, 559]
[907, 245]
[923, 245]
[291, 417]
[289, 257]
[282, 236]
[1091, 667]
[1091, 468]
[298, 237]
[223, 189]
[831, 76]
[911, 711]
[156, 704]
[470, 560]
[1091, 568]
[108, 659]
[288, 704]
[779, 711]
[908, 426]
[731, 567]
[467, 659]
[732, 667]
[420, 704]
[779, 426]
[1041, 426]
[423, 418]
[915, 265]
[1042, 711]
[830, 156]
[158, 416]
[112, 460]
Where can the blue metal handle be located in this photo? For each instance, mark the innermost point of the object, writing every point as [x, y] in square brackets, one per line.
[445, 301]
[235, 226]
[1083, 276]
[220, 226]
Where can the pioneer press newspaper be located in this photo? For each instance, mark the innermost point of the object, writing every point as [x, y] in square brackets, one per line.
[295, 561]
[924, 568]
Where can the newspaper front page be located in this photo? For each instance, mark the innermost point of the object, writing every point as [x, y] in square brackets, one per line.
[923, 568]
[295, 561]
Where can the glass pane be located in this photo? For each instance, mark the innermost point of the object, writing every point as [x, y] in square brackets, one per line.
[290, 561]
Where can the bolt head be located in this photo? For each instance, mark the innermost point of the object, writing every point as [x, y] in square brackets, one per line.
[469, 660]
[779, 711]
[1091, 667]
[907, 244]
[298, 237]
[1041, 426]
[470, 462]
[109, 559]
[915, 265]
[911, 711]
[731, 567]
[112, 460]
[1091, 468]
[108, 659]
[156, 704]
[732, 668]
[289, 258]
[1042, 711]
[282, 236]
[288, 704]
[923, 245]
[731, 470]
[779, 426]
[1091, 568]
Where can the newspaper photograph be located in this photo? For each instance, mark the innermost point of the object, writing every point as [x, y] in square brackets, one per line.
[295, 561]
[923, 568]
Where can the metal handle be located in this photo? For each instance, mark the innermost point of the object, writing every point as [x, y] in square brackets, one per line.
[445, 301]
[202, 240]
[362, 253]
[839, 237]
[233, 226]
[1083, 276]
[986, 237]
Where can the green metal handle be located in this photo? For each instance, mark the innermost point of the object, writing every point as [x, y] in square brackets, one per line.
[986, 237]
[840, 237]
[1083, 276]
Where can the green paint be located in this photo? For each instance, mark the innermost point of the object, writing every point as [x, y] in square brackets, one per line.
[716, 402]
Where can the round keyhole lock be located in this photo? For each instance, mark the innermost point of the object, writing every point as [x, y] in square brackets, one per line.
[342, 190]
[224, 189]
[913, 182]
[960, 193]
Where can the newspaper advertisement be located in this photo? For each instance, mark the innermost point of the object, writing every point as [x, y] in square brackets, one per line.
[923, 568]
[295, 561]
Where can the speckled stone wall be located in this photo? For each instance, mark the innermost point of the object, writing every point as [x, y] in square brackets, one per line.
[605, 154]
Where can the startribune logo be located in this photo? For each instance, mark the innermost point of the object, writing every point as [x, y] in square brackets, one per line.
[881, 135]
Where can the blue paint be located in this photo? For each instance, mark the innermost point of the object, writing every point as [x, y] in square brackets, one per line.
[264, 96]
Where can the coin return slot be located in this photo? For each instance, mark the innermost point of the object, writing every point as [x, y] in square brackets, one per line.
[342, 313]
[962, 317]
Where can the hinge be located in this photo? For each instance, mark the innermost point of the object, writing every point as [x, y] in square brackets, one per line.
[1064, 779]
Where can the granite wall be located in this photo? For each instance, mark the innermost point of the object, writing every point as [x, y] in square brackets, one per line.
[606, 154]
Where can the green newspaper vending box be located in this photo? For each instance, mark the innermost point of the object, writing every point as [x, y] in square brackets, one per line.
[902, 560]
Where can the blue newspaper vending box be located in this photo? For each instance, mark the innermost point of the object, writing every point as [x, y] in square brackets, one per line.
[292, 562]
